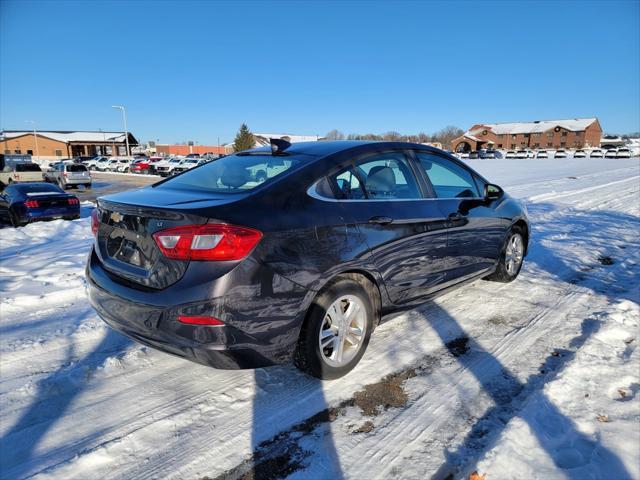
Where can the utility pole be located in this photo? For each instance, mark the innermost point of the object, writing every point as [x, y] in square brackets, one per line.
[124, 119]
[35, 136]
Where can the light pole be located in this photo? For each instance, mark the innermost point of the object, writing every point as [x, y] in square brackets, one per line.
[124, 118]
[35, 136]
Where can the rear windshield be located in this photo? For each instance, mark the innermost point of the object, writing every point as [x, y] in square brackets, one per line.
[235, 173]
[27, 167]
[76, 168]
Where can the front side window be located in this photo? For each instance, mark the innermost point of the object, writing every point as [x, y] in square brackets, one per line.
[388, 176]
[449, 179]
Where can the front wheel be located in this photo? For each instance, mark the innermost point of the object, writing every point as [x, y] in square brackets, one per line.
[511, 258]
[336, 331]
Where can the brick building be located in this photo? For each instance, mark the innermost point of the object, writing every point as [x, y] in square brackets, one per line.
[542, 134]
[187, 149]
[54, 144]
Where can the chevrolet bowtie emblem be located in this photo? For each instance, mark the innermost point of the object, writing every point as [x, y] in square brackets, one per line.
[116, 217]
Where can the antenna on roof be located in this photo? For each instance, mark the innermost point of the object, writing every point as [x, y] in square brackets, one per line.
[278, 145]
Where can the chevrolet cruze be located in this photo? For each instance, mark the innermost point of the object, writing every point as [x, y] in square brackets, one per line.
[295, 252]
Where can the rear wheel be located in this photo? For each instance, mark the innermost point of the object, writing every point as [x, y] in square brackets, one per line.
[87, 186]
[511, 259]
[15, 220]
[336, 331]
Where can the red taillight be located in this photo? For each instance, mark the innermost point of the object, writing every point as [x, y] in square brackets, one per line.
[31, 204]
[207, 242]
[95, 222]
[73, 201]
[199, 320]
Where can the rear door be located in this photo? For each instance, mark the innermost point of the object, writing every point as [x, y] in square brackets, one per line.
[474, 229]
[402, 226]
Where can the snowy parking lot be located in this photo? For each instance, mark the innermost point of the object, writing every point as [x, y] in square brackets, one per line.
[535, 379]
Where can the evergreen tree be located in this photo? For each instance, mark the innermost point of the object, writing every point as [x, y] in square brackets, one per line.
[244, 139]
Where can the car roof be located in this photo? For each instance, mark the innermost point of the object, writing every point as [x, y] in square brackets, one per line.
[325, 148]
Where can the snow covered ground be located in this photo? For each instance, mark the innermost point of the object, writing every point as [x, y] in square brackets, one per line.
[538, 379]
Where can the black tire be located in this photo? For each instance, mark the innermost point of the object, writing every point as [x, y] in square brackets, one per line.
[87, 186]
[308, 356]
[501, 274]
[15, 221]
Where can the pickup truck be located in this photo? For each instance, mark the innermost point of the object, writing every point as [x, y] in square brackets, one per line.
[20, 172]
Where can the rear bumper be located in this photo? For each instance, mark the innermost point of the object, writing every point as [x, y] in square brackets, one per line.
[256, 334]
[78, 181]
[31, 215]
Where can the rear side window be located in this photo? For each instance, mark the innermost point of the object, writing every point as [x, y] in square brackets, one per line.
[347, 185]
[76, 168]
[27, 167]
[449, 179]
[235, 173]
[388, 176]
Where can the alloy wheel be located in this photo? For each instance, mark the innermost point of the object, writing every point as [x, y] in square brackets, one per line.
[514, 254]
[343, 330]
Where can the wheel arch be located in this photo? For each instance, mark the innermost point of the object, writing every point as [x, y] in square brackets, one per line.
[525, 228]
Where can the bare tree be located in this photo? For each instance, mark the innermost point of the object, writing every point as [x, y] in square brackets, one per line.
[334, 135]
[447, 134]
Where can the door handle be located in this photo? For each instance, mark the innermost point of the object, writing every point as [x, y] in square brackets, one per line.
[380, 220]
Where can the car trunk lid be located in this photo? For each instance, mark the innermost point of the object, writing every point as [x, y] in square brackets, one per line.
[127, 222]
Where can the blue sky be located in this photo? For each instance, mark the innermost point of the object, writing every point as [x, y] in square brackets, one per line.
[196, 70]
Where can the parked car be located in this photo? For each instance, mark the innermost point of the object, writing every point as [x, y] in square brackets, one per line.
[68, 175]
[123, 165]
[22, 203]
[219, 268]
[596, 153]
[611, 153]
[623, 153]
[488, 154]
[510, 154]
[542, 154]
[474, 154]
[82, 159]
[579, 154]
[142, 166]
[463, 154]
[113, 164]
[560, 153]
[521, 154]
[187, 164]
[13, 172]
[96, 162]
[165, 168]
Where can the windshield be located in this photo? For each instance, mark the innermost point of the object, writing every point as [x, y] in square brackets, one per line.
[27, 167]
[76, 168]
[235, 173]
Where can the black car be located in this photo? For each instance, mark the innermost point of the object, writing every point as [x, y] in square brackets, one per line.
[233, 269]
[22, 203]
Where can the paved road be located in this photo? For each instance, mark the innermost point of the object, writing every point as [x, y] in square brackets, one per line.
[105, 183]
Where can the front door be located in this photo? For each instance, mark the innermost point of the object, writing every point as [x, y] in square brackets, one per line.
[475, 231]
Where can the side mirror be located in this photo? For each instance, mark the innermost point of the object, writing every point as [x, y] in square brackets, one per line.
[492, 192]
